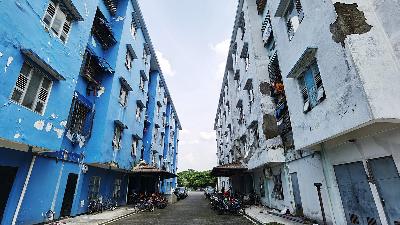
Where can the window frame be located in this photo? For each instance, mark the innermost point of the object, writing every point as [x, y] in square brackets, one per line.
[128, 60]
[64, 22]
[293, 10]
[317, 83]
[117, 139]
[133, 30]
[117, 188]
[134, 147]
[94, 187]
[123, 99]
[139, 111]
[40, 72]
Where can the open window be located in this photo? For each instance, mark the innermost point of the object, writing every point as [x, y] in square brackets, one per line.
[133, 29]
[112, 6]
[117, 189]
[311, 87]
[292, 12]
[135, 145]
[102, 31]
[250, 92]
[118, 131]
[139, 110]
[59, 16]
[245, 56]
[146, 54]
[124, 91]
[32, 88]
[142, 80]
[93, 68]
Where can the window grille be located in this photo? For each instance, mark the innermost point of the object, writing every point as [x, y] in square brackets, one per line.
[123, 96]
[94, 187]
[311, 87]
[80, 120]
[117, 137]
[32, 88]
[57, 21]
[102, 31]
[117, 189]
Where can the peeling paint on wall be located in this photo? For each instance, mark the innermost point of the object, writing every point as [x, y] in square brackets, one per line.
[59, 132]
[17, 135]
[63, 123]
[1, 54]
[350, 20]
[48, 127]
[101, 91]
[9, 61]
[39, 124]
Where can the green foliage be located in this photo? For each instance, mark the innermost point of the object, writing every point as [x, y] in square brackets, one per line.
[196, 179]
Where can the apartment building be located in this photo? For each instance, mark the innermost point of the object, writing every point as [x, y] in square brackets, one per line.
[75, 99]
[325, 117]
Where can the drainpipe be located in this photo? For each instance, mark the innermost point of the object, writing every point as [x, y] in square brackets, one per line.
[321, 204]
[21, 197]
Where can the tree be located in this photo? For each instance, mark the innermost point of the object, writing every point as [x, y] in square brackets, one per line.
[196, 179]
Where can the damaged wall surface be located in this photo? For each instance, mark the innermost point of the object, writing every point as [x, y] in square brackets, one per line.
[74, 106]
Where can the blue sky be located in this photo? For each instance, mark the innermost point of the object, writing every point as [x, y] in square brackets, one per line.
[191, 38]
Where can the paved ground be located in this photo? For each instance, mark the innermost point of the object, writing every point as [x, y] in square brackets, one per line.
[193, 210]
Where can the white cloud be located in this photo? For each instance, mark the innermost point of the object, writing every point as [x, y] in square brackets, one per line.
[207, 136]
[221, 50]
[166, 66]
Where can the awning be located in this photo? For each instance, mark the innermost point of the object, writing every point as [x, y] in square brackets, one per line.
[54, 75]
[144, 169]
[108, 166]
[228, 170]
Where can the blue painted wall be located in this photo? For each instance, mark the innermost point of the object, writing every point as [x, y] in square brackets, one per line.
[48, 132]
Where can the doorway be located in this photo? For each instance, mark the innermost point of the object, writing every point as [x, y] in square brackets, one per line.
[69, 195]
[296, 194]
[7, 177]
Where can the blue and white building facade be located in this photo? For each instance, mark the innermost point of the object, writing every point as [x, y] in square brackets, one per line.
[79, 81]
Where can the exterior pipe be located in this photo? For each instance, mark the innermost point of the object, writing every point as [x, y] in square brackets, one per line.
[21, 198]
[321, 204]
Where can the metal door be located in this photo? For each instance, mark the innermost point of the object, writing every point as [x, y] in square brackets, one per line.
[356, 195]
[387, 181]
[296, 194]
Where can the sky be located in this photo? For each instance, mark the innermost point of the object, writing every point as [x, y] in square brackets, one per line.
[191, 38]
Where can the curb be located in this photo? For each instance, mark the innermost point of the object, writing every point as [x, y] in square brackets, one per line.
[117, 218]
[252, 219]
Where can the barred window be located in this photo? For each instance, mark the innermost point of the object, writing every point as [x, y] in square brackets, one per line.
[117, 137]
[32, 88]
[80, 120]
[293, 17]
[57, 21]
[123, 96]
[117, 188]
[94, 187]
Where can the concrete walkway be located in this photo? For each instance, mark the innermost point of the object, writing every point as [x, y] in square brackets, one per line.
[261, 216]
[99, 218]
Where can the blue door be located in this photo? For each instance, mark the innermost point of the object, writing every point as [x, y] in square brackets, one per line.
[387, 181]
[356, 195]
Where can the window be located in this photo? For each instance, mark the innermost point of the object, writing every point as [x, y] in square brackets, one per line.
[293, 17]
[145, 54]
[142, 83]
[94, 187]
[159, 88]
[311, 87]
[247, 62]
[162, 138]
[139, 110]
[128, 60]
[117, 189]
[32, 88]
[57, 21]
[158, 108]
[133, 30]
[117, 137]
[80, 120]
[123, 96]
[135, 144]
